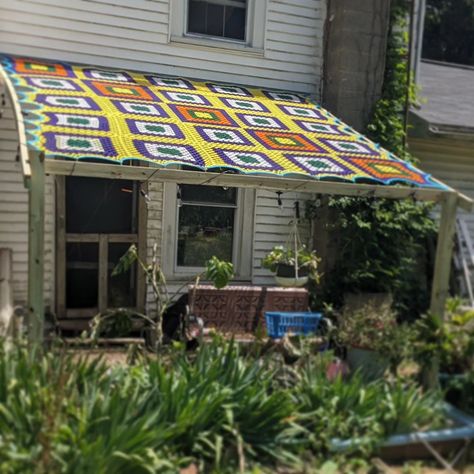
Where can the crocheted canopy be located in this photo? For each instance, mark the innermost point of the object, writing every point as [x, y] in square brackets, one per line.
[89, 113]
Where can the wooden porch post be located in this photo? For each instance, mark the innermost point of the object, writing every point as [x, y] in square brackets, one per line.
[36, 249]
[442, 269]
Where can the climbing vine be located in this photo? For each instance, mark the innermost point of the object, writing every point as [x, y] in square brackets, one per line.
[383, 243]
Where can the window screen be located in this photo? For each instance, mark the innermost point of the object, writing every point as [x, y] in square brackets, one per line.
[221, 18]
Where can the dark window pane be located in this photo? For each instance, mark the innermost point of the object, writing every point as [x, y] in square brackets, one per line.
[234, 26]
[197, 17]
[96, 205]
[204, 232]
[82, 275]
[222, 19]
[215, 20]
[210, 194]
[122, 287]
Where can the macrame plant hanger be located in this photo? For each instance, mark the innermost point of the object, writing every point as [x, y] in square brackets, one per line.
[294, 239]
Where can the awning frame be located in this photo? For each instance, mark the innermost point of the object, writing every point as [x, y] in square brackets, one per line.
[35, 167]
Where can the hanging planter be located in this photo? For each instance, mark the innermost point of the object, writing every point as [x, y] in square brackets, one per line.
[286, 275]
[294, 265]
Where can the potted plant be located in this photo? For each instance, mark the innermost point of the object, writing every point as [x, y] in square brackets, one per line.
[292, 268]
[368, 334]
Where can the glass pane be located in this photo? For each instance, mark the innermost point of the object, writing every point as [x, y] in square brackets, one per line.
[223, 18]
[104, 206]
[82, 275]
[122, 287]
[197, 17]
[234, 23]
[215, 20]
[204, 232]
[211, 194]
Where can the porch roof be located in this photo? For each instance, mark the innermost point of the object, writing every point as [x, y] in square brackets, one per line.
[78, 116]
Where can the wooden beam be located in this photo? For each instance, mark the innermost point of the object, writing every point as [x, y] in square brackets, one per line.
[444, 253]
[442, 269]
[103, 272]
[20, 125]
[60, 241]
[7, 319]
[277, 183]
[142, 245]
[36, 249]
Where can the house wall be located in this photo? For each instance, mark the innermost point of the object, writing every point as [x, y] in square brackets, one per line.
[136, 35]
[451, 161]
[124, 34]
[14, 213]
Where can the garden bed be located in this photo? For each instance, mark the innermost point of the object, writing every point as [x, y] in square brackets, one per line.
[414, 445]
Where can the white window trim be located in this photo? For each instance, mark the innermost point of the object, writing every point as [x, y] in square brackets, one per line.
[242, 249]
[254, 43]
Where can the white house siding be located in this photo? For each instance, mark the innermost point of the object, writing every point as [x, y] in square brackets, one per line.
[450, 161]
[126, 34]
[14, 214]
[272, 227]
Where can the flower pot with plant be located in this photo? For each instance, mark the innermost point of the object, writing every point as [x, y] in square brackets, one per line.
[373, 340]
[292, 268]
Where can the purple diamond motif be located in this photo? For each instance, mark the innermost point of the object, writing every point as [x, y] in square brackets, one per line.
[171, 82]
[317, 165]
[139, 108]
[219, 135]
[67, 101]
[108, 76]
[228, 90]
[186, 98]
[85, 145]
[57, 84]
[244, 104]
[251, 160]
[169, 153]
[261, 121]
[84, 122]
[285, 97]
[320, 128]
[349, 147]
[144, 127]
[302, 112]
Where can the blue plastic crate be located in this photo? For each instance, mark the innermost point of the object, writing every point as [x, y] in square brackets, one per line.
[281, 323]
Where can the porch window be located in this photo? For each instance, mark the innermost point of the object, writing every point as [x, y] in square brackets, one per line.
[97, 220]
[221, 18]
[202, 221]
[206, 222]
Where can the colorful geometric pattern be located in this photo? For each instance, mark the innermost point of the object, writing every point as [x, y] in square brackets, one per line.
[82, 112]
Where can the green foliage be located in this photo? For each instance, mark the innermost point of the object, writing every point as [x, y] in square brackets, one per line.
[216, 408]
[282, 255]
[219, 272]
[451, 339]
[383, 243]
[449, 31]
[364, 412]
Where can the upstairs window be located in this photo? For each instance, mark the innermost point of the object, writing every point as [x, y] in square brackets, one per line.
[219, 18]
[227, 24]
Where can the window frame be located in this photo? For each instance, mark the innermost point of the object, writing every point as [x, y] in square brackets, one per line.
[242, 248]
[102, 240]
[254, 31]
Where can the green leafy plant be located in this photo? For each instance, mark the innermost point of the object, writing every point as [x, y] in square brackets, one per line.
[450, 340]
[304, 258]
[218, 271]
